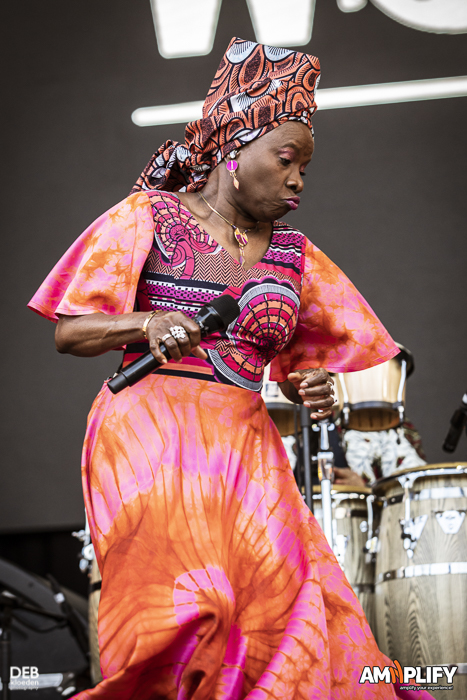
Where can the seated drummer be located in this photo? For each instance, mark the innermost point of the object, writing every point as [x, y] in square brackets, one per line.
[360, 457]
[374, 454]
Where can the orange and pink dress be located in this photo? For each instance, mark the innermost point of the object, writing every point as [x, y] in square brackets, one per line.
[218, 582]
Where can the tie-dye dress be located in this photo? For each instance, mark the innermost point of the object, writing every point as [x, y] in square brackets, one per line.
[217, 581]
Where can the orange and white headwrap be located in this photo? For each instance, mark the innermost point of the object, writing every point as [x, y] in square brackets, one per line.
[256, 88]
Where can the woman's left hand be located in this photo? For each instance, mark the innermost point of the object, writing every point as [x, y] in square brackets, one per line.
[316, 389]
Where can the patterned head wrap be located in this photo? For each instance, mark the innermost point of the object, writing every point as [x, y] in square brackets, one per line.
[256, 88]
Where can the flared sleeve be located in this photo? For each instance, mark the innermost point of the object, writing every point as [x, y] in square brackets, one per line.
[101, 270]
[336, 328]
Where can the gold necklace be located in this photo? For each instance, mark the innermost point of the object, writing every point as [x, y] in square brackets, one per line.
[240, 236]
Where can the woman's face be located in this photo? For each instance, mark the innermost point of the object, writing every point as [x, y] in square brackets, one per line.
[271, 169]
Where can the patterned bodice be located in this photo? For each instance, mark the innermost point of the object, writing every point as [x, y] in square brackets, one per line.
[148, 251]
[186, 269]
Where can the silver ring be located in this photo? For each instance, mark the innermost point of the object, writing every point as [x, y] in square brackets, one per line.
[177, 332]
[164, 337]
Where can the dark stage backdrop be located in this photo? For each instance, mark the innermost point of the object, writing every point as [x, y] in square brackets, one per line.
[385, 199]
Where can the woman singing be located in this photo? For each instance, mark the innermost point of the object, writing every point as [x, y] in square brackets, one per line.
[217, 581]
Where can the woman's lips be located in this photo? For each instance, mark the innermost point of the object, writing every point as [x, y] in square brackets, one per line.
[293, 202]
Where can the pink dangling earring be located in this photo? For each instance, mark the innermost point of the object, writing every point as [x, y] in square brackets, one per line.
[232, 166]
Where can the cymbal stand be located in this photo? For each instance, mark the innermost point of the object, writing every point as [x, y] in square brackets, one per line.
[325, 474]
[305, 423]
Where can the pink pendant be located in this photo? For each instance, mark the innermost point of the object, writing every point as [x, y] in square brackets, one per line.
[232, 165]
[241, 238]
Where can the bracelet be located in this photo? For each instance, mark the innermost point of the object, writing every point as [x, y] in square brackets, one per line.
[147, 319]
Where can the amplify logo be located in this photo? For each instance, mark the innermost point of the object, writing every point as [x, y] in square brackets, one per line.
[409, 674]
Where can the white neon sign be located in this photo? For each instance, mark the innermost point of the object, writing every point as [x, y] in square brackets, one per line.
[330, 98]
[188, 27]
[185, 27]
[282, 23]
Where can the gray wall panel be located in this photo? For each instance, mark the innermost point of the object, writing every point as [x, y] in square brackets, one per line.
[385, 200]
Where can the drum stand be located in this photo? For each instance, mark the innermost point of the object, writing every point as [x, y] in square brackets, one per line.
[325, 475]
[325, 470]
[305, 424]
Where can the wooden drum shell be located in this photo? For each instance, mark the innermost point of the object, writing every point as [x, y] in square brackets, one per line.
[421, 619]
[372, 394]
[281, 411]
[349, 511]
[93, 609]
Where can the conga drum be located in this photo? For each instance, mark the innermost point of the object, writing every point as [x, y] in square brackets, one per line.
[421, 569]
[374, 398]
[95, 581]
[354, 518]
[282, 411]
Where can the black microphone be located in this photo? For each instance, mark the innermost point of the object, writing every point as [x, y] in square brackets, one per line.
[212, 317]
[458, 423]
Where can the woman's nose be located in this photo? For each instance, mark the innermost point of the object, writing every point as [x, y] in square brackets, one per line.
[295, 183]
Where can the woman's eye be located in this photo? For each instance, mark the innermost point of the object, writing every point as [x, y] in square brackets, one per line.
[284, 161]
[303, 174]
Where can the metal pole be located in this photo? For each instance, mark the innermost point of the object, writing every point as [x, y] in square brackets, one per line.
[5, 646]
[298, 465]
[325, 473]
[326, 501]
[305, 422]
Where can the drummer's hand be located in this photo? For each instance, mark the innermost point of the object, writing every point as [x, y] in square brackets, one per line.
[347, 477]
[315, 388]
[159, 326]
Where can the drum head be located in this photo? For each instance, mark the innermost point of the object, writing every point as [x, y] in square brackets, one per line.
[382, 484]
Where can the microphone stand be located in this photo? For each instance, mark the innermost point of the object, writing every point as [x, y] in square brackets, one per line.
[325, 474]
[457, 425]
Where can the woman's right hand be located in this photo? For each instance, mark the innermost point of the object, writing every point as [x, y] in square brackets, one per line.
[158, 331]
[93, 334]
